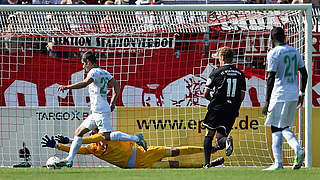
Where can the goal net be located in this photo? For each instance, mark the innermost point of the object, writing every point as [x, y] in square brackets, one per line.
[160, 55]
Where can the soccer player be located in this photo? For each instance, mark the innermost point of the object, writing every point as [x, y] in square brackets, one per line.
[124, 155]
[283, 96]
[229, 86]
[97, 79]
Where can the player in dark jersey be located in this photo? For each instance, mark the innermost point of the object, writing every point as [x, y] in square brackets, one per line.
[229, 86]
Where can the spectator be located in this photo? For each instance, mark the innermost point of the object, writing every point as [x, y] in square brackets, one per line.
[67, 2]
[17, 22]
[106, 2]
[277, 1]
[283, 2]
[78, 2]
[308, 1]
[91, 1]
[12, 2]
[250, 1]
[26, 2]
[5, 2]
[296, 2]
[125, 2]
[46, 1]
[143, 2]
[271, 1]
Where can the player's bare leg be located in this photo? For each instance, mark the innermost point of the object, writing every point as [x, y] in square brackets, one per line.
[75, 146]
[115, 136]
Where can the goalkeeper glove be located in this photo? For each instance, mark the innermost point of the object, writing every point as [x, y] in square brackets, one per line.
[62, 139]
[47, 142]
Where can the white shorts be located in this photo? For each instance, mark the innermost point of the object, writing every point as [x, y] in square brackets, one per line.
[281, 114]
[98, 120]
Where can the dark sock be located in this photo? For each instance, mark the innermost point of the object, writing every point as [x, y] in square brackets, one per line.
[222, 142]
[207, 146]
[215, 148]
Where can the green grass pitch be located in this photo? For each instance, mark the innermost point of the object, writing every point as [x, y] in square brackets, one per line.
[112, 173]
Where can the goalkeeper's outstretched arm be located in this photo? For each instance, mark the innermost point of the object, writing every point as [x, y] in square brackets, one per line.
[85, 140]
[82, 150]
[51, 143]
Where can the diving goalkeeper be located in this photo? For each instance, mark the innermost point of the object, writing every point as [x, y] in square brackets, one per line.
[124, 155]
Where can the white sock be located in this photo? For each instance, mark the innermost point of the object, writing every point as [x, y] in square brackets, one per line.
[75, 146]
[277, 147]
[291, 139]
[120, 136]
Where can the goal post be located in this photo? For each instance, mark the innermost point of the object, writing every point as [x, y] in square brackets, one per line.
[308, 106]
[161, 55]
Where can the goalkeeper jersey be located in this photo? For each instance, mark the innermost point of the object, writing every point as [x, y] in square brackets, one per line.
[119, 152]
[114, 152]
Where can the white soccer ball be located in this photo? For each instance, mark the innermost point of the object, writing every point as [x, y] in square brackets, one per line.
[52, 162]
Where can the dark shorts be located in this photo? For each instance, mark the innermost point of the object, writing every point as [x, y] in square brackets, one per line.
[220, 121]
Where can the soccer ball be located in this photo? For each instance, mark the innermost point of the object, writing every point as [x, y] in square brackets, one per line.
[52, 162]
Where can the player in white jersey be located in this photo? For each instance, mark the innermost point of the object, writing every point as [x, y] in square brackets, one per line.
[97, 79]
[283, 97]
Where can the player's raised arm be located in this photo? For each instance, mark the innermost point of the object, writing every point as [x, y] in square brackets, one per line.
[77, 85]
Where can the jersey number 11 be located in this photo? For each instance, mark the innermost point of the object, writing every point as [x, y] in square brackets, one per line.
[231, 88]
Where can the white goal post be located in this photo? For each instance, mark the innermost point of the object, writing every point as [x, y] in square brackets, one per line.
[125, 39]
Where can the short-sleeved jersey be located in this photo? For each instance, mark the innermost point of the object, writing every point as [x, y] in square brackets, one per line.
[227, 82]
[98, 90]
[285, 61]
